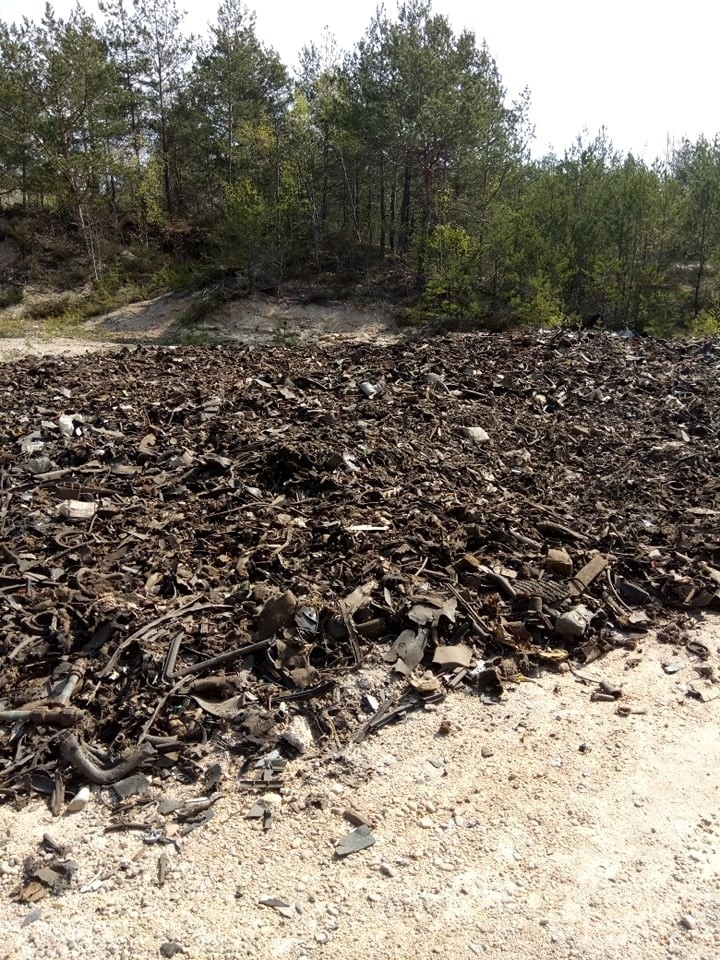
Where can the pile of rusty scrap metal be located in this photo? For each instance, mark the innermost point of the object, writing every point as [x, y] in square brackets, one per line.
[201, 545]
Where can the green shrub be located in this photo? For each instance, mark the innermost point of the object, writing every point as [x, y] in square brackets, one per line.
[284, 335]
[452, 272]
[10, 296]
[47, 307]
[199, 309]
[541, 307]
[705, 324]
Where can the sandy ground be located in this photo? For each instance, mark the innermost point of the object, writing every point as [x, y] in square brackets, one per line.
[255, 321]
[544, 826]
[14, 348]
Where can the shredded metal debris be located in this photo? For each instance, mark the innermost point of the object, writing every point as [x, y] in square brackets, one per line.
[201, 546]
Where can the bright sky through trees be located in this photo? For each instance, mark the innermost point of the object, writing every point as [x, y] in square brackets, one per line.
[641, 69]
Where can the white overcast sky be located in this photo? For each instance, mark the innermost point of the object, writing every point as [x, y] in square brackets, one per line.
[644, 69]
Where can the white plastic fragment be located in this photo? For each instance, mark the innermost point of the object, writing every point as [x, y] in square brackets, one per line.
[574, 623]
[76, 510]
[37, 465]
[369, 389]
[299, 735]
[268, 759]
[272, 799]
[79, 801]
[31, 443]
[477, 434]
[71, 424]
[479, 668]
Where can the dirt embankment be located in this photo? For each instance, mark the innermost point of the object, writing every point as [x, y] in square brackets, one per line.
[256, 320]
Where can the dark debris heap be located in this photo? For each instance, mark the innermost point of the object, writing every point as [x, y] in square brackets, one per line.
[202, 545]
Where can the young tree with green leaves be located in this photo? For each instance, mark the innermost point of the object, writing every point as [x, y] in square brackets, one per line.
[62, 110]
[161, 53]
[696, 168]
[236, 90]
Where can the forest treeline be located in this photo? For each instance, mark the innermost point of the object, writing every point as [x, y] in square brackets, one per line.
[401, 160]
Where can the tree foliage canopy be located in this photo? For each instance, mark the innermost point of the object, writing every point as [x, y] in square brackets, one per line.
[402, 156]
